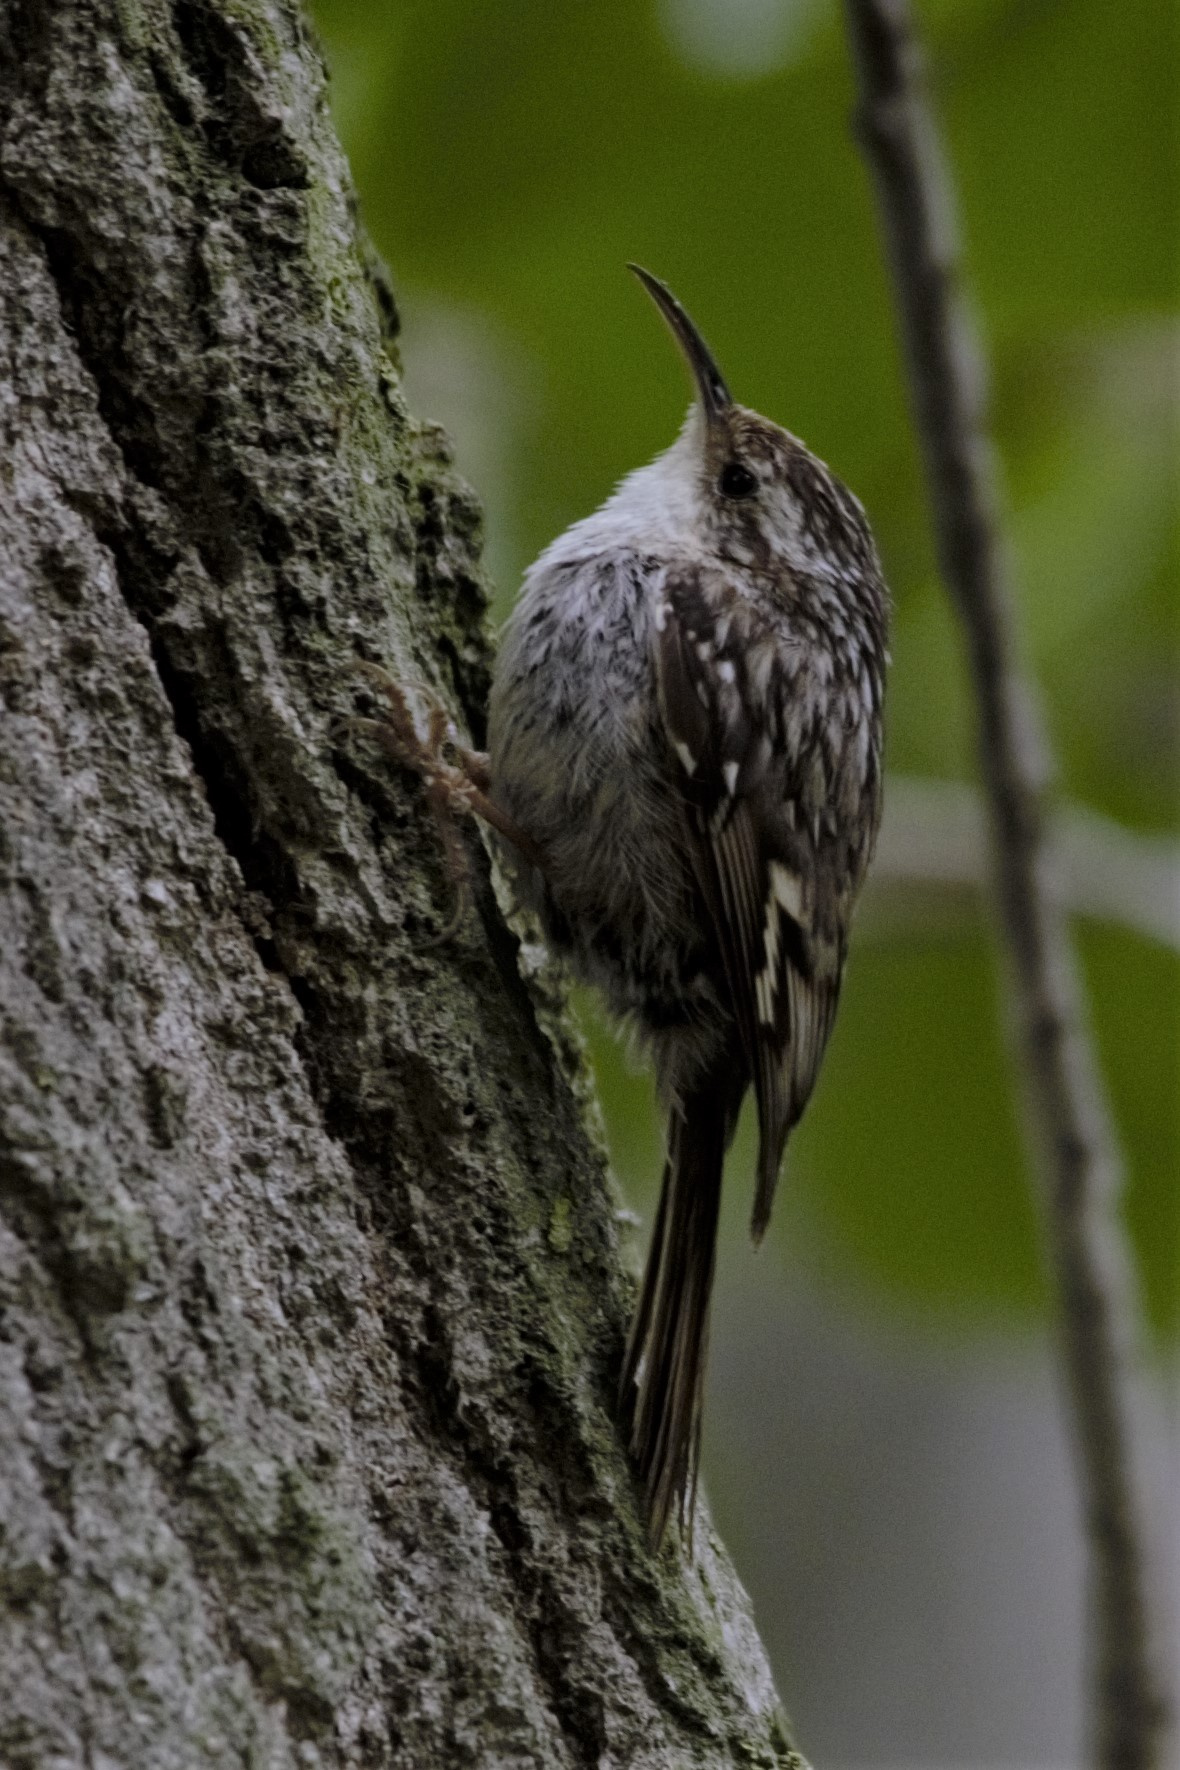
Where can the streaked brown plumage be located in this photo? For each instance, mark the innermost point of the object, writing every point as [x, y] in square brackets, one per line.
[686, 717]
[685, 764]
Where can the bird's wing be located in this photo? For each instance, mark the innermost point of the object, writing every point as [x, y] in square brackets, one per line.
[756, 856]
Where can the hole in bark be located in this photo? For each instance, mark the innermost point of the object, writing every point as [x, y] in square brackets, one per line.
[275, 165]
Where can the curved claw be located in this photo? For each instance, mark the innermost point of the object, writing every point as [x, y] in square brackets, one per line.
[463, 903]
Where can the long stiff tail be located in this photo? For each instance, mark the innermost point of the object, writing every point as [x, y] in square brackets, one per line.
[664, 1368]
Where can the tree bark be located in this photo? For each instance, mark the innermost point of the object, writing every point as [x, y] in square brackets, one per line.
[312, 1300]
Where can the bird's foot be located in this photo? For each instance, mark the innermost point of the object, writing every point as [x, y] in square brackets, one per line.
[457, 780]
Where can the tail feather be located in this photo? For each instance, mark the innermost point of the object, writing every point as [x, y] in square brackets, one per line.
[664, 1367]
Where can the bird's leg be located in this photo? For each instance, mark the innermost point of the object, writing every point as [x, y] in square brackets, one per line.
[461, 787]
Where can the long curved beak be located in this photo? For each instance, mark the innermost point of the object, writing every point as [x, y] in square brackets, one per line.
[714, 395]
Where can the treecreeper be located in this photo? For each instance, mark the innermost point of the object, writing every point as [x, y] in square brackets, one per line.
[684, 770]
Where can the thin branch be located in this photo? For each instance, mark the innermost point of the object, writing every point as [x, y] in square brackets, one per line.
[934, 838]
[1081, 1165]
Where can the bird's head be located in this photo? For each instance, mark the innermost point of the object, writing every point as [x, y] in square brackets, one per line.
[758, 498]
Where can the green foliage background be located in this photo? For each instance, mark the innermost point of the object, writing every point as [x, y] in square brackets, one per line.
[510, 157]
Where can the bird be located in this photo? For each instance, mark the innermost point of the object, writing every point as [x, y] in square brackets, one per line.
[684, 768]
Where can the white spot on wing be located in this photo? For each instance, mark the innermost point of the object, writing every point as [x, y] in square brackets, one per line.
[764, 983]
[687, 758]
[770, 937]
[763, 664]
[730, 771]
[787, 890]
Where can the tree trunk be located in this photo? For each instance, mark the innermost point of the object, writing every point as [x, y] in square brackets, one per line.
[312, 1302]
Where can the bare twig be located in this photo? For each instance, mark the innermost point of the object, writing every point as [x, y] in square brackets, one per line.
[1081, 1165]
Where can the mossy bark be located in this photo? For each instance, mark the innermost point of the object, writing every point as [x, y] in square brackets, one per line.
[312, 1299]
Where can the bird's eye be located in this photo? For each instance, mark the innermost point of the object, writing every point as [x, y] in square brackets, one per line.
[737, 481]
